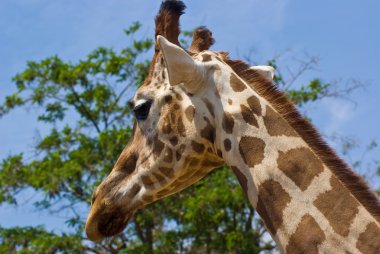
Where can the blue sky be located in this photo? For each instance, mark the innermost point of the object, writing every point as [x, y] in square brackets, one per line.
[343, 34]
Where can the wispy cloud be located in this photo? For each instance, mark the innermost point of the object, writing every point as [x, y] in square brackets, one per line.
[339, 113]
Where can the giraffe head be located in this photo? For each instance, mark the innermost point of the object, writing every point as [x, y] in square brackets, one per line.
[173, 141]
[198, 109]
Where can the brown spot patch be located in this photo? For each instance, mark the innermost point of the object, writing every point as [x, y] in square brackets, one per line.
[129, 165]
[176, 106]
[254, 104]
[168, 155]
[230, 101]
[194, 163]
[242, 179]
[134, 190]
[173, 140]
[179, 152]
[227, 144]
[173, 117]
[147, 181]
[306, 238]
[369, 240]
[301, 165]
[228, 123]
[158, 146]
[189, 113]
[159, 177]
[168, 98]
[166, 171]
[148, 199]
[236, 84]
[181, 127]
[248, 116]
[178, 96]
[206, 58]
[216, 67]
[197, 147]
[208, 132]
[167, 128]
[276, 125]
[338, 206]
[271, 203]
[177, 156]
[163, 76]
[251, 150]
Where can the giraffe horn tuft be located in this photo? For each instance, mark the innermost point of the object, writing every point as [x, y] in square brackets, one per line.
[167, 20]
[202, 40]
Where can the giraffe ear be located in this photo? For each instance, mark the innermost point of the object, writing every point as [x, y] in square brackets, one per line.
[181, 67]
[267, 71]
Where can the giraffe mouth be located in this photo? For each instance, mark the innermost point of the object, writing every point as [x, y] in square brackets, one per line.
[106, 225]
[113, 224]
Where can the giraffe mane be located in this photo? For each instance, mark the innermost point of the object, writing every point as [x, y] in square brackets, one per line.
[280, 102]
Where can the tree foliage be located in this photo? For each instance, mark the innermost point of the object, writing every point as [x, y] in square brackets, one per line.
[85, 103]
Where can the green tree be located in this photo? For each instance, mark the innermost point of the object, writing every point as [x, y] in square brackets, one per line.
[86, 106]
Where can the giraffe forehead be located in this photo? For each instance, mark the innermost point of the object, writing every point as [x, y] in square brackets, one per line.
[207, 55]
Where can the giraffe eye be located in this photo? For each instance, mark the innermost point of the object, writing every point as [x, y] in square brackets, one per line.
[141, 111]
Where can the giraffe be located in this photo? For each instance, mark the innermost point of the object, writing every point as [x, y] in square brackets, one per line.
[199, 109]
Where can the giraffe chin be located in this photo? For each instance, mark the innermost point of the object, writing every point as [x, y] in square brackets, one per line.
[107, 225]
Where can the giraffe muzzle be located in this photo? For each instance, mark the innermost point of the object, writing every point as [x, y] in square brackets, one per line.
[102, 225]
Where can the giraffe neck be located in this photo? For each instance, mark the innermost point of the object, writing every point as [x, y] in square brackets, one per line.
[305, 207]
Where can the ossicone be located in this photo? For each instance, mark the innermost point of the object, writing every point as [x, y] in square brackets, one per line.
[202, 40]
